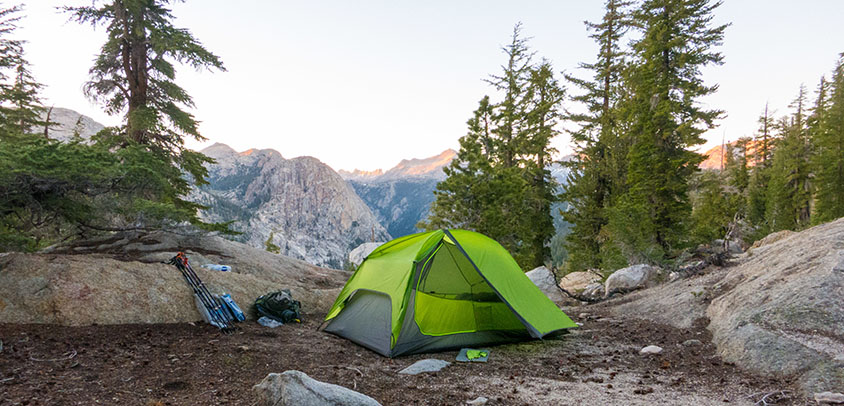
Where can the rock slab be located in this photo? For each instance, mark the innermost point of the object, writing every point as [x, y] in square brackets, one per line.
[544, 280]
[360, 253]
[120, 279]
[577, 282]
[295, 388]
[630, 278]
[425, 365]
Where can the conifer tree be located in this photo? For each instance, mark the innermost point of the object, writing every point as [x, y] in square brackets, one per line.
[828, 140]
[511, 112]
[667, 120]
[20, 104]
[545, 95]
[499, 184]
[757, 189]
[134, 74]
[597, 171]
[789, 195]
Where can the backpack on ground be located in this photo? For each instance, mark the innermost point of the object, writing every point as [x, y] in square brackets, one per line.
[279, 306]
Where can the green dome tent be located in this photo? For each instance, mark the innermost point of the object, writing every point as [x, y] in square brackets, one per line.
[441, 290]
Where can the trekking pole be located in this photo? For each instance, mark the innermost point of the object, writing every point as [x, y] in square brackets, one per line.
[215, 311]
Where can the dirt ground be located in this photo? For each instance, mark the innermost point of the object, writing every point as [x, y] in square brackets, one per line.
[184, 364]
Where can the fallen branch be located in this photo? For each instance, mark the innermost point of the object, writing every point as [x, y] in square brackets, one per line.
[67, 356]
[6, 380]
[763, 401]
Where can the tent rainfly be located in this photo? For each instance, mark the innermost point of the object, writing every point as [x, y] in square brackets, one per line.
[441, 290]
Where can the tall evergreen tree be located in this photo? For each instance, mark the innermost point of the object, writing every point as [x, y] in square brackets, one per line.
[511, 112]
[757, 189]
[667, 120]
[499, 184]
[789, 194]
[828, 140]
[135, 74]
[597, 171]
[545, 95]
[20, 105]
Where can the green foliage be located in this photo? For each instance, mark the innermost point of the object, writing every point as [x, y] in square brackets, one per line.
[270, 247]
[828, 139]
[598, 169]
[666, 120]
[135, 74]
[499, 184]
[52, 190]
[715, 206]
[789, 194]
[20, 104]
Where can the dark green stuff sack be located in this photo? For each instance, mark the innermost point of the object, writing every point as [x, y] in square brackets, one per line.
[279, 306]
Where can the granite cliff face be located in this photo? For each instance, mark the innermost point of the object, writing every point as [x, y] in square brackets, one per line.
[401, 196]
[310, 211]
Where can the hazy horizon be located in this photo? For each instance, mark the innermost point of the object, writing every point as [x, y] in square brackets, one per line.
[365, 85]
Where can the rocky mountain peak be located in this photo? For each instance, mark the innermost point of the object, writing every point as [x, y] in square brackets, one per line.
[300, 205]
[421, 168]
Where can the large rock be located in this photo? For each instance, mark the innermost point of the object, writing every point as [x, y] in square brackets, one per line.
[577, 282]
[780, 311]
[310, 212]
[295, 388]
[360, 253]
[631, 278]
[544, 280]
[782, 308]
[120, 279]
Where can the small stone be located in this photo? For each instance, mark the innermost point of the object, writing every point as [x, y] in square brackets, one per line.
[243, 348]
[692, 343]
[829, 398]
[651, 349]
[480, 400]
[673, 276]
[425, 365]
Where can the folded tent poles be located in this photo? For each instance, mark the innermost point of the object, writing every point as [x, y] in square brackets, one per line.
[215, 311]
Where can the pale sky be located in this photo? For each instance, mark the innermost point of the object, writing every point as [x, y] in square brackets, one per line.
[364, 84]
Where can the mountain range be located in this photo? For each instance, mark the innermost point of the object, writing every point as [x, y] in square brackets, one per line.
[401, 196]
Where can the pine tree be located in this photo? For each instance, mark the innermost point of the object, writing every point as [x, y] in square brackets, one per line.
[667, 120]
[789, 194]
[20, 105]
[499, 184]
[135, 74]
[828, 162]
[23, 97]
[511, 112]
[545, 95]
[757, 188]
[597, 171]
